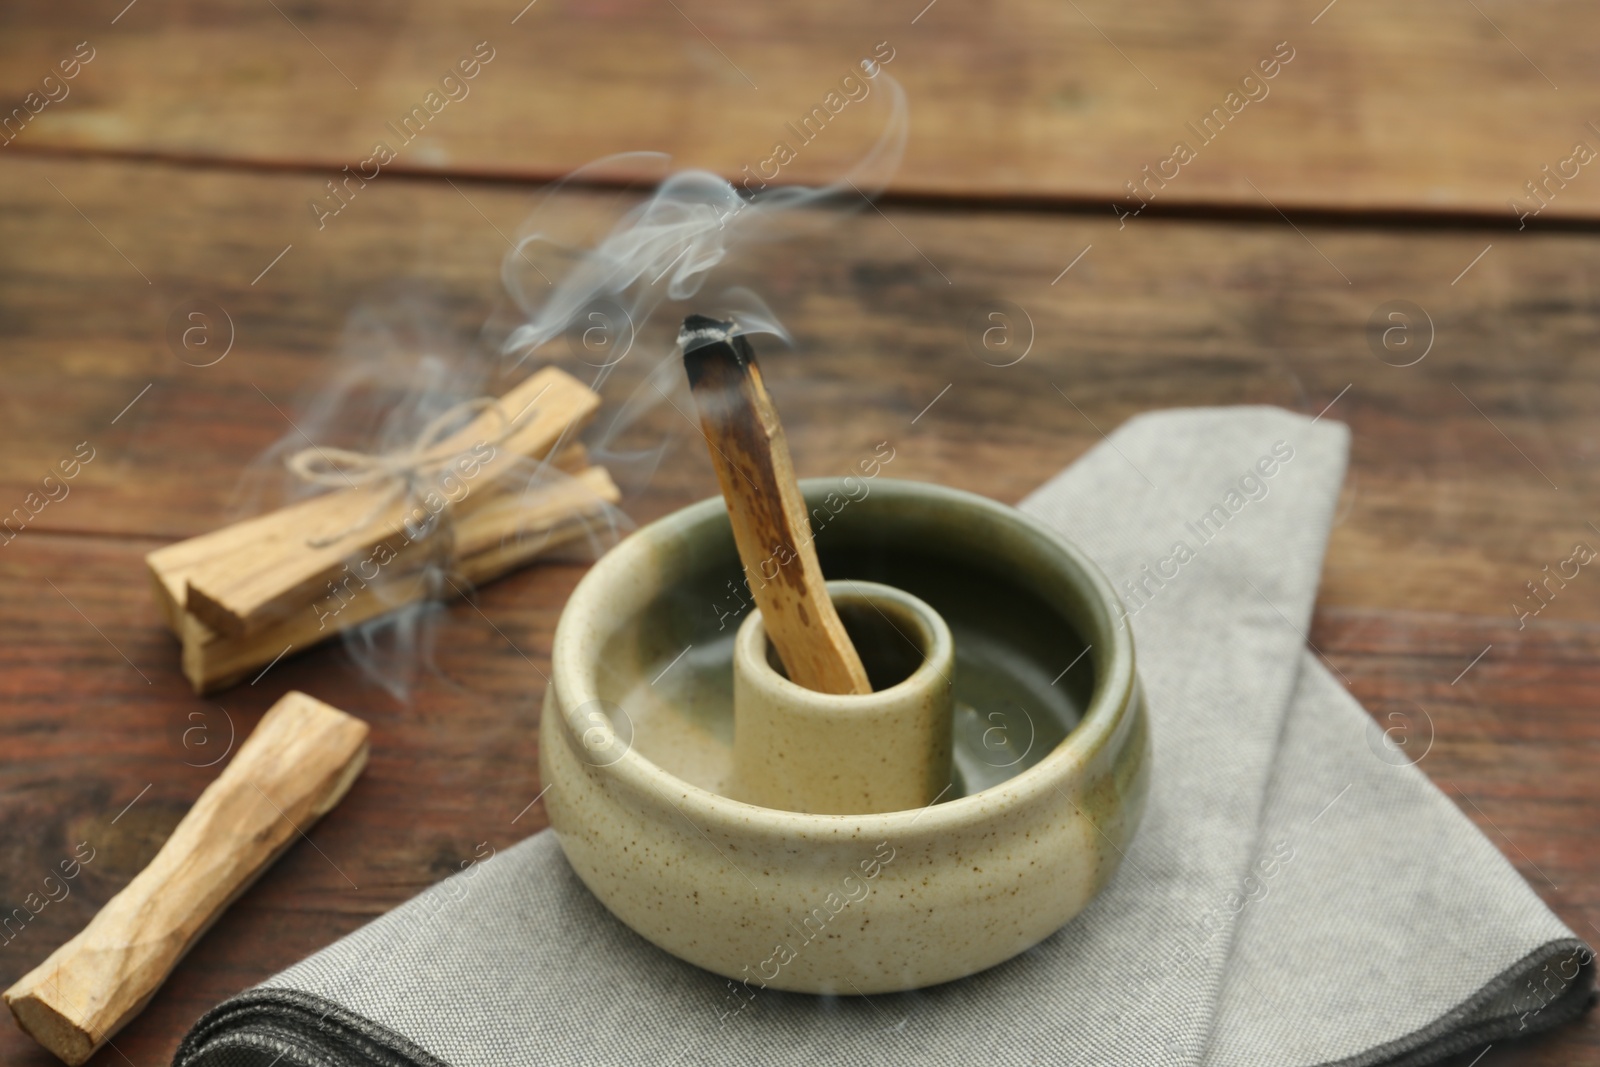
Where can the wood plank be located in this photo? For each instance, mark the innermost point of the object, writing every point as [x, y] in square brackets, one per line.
[1446, 515]
[1429, 106]
[1451, 455]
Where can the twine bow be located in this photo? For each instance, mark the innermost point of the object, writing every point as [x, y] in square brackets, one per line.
[402, 471]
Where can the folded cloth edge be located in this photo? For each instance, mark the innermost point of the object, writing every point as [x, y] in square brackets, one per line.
[275, 1022]
[1459, 1029]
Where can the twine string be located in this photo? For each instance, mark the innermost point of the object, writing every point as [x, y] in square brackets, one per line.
[401, 472]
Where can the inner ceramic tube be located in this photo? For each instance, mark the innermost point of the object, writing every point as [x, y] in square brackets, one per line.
[848, 754]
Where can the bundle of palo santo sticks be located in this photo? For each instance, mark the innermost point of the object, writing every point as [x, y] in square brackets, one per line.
[241, 597]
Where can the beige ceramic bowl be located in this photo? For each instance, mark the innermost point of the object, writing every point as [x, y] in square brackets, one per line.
[1051, 751]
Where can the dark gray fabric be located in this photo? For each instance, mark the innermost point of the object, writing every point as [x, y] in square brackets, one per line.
[1297, 895]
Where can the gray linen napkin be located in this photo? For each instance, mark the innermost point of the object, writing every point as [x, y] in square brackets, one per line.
[1296, 896]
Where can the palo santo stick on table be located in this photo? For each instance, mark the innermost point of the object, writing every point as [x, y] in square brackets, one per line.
[171, 565]
[254, 573]
[496, 538]
[770, 525]
[298, 763]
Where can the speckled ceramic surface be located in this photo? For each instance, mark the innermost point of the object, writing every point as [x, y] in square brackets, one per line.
[1051, 751]
[800, 750]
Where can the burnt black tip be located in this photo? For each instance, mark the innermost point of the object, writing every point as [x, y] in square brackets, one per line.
[705, 326]
[710, 343]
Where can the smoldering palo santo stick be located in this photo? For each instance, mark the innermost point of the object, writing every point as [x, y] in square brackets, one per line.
[751, 457]
[297, 764]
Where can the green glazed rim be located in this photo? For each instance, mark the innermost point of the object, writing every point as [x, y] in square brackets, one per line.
[1019, 541]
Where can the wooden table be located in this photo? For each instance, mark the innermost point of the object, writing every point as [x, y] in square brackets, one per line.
[179, 167]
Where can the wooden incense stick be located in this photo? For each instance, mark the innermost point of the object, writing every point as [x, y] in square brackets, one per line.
[502, 526]
[248, 576]
[292, 769]
[171, 565]
[490, 541]
[770, 526]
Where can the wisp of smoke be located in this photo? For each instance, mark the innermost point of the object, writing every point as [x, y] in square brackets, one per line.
[597, 283]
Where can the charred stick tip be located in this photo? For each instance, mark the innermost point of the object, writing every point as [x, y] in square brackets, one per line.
[711, 344]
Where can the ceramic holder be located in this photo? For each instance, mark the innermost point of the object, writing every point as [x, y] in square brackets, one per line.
[848, 754]
[1050, 746]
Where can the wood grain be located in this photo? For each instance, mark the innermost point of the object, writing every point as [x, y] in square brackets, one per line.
[1446, 514]
[289, 772]
[1429, 106]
